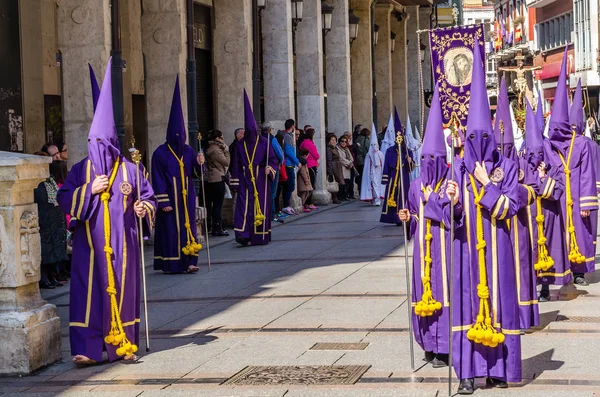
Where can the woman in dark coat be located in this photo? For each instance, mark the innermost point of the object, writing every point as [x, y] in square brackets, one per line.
[334, 165]
[53, 225]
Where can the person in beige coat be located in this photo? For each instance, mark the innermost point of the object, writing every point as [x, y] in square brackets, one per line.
[305, 187]
[217, 163]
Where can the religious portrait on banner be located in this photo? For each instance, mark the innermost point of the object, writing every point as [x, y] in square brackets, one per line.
[452, 63]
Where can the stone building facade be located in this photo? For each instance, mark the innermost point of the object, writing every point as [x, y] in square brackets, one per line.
[324, 80]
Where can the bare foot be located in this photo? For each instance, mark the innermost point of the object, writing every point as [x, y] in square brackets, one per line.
[83, 360]
[192, 269]
[133, 357]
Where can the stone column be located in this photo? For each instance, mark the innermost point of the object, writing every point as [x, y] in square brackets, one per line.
[232, 57]
[29, 328]
[309, 81]
[337, 61]
[383, 64]
[399, 67]
[83, 37]
[163, 42]
[412, 60]
[362, 76]
[278, 63]
[32, 77]
[424, 22]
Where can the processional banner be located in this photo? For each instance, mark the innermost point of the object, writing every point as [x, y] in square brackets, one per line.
[452, 63]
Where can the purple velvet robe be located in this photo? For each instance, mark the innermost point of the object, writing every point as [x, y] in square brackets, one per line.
[170, 234]
[499, 204]
[431, 333]
[89, 311]
[584, 195]
[390, 214]
[523, 229]
[252, 154]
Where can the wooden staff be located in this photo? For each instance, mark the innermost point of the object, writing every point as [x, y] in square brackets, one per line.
[266, 181]
[137, 157]
[204, 201]
[399, 140]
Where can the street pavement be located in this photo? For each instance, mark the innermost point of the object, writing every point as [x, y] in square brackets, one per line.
[335, 276]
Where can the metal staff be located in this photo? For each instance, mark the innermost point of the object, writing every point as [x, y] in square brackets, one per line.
[204, 202]
[453, 134]
[137, 157]
[501, 126]
[399, 139]
[266, 181]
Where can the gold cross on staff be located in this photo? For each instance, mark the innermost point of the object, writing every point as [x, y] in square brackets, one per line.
[399, 138]
[501, 126]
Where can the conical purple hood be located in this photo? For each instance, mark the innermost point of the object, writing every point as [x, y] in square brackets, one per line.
[560, 128]
[433, 152]
[576, 114]
[503, 117]
[103, 146]
[95, 87]
[176, 135]
[539, 113]
[480, 144]
[252, 133]
[397, 125]
[534, 142]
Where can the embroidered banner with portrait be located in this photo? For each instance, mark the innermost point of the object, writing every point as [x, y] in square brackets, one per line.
[452, 63]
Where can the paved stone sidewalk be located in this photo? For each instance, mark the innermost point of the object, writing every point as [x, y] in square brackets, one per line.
[334, 277]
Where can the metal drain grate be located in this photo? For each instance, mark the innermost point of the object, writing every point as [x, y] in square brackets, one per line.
[298, 375]
[577, 319]
[339, 346]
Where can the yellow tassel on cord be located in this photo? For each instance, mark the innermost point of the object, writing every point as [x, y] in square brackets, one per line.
[545, 261]
[428, 305]
[391, 202]
[192, 247]
[258, 214]
[574, 255]
[116, 335]
[482, 332]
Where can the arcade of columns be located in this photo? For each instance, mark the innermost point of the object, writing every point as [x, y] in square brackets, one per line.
[154, 42]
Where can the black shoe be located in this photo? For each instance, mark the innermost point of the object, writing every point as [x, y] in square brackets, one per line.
[55, 282]
[544, 296]
[220, 233]
[440, 361]
[429, 356]
[466, 386]
[496, 383]
[581, 281]
[242, 241]
[46, 285]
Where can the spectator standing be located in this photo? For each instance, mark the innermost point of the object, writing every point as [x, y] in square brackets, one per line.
[291, 162]
[347, 165]
[217, 161]
[353, 171]
[64, 152]
[334, 166]
[267, 130]
[305, 186]
[361, 149]
[53, 226]
[312, 161]
[52, 151]
[238, 136]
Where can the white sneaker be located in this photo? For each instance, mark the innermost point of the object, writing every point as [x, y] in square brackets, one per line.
[288, 210]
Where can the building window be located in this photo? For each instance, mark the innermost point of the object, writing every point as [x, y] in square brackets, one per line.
[555, 32]
[582, 42]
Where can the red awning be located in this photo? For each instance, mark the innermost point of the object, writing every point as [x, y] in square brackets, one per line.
[551, 70]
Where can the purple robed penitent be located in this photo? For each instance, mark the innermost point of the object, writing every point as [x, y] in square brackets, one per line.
[171, 234]
[521, 224]
[390, 176]
[251, 161]
[570, 150]
[89, 310]
[499, 202]
[431, 331]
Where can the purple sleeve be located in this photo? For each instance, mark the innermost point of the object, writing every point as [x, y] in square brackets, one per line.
[75, 196]
[273, 163]
[433, 207]
[147, 198]
[160, 182]
[502, 202]
[458, 208]
[551, 187]
[526, 195]
[413, 208]
[588, 197]
[236, 170]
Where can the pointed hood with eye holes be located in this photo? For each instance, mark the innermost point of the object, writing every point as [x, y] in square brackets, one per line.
[252, 133]
[176, 135]
[576, 114]
[95, 88]
[559, 127]
[503, 127]
[390, 136]
[374, 143]
[534, 142]
[480, 144]
[103, 145]
[434, 165]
